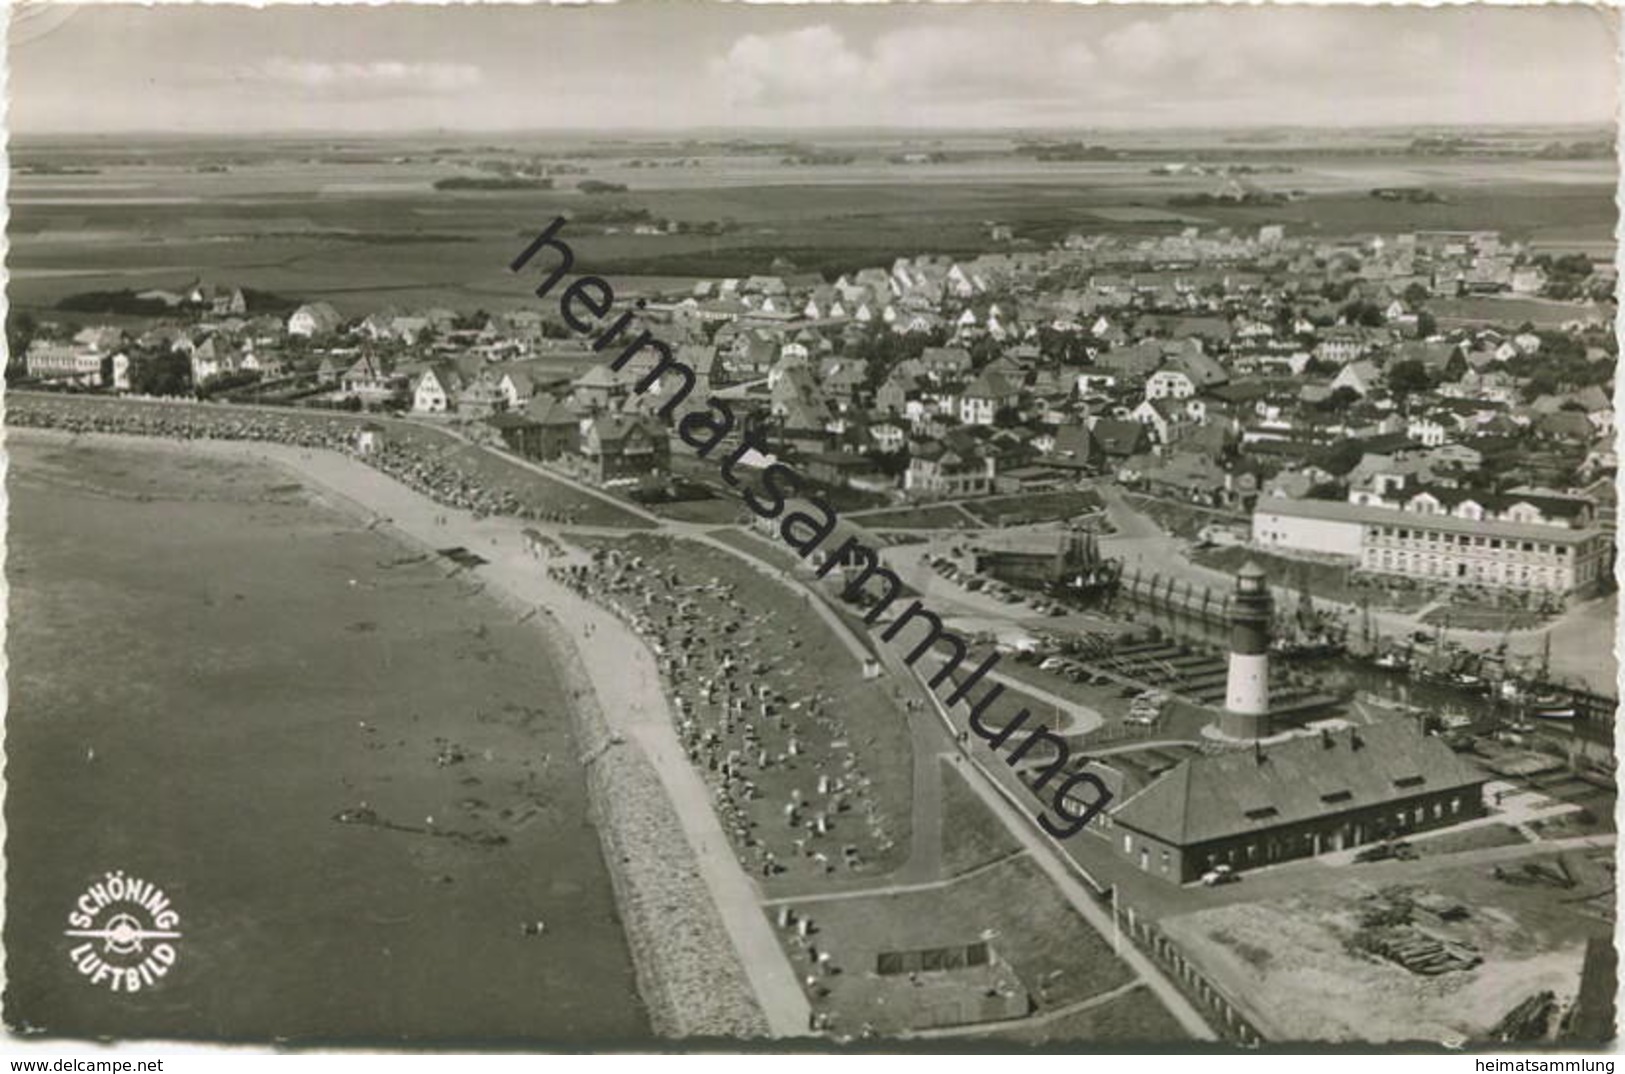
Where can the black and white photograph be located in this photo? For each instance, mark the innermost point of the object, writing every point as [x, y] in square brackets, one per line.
[708, 527]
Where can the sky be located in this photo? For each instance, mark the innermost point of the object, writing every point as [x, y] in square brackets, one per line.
[683, 64]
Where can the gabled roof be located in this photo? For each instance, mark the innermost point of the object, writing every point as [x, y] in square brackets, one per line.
[1222, 795]
[547, 410]
[989, 385]
[1117, 437]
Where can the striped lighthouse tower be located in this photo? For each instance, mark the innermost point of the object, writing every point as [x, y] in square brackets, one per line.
[1247, 690]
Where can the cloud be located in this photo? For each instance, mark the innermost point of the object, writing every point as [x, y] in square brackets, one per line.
[816, 69]
[1213, 64]
[376, 76]
[787, 68]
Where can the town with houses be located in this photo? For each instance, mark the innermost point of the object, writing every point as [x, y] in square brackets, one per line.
[1161, 477]
[1362, 399]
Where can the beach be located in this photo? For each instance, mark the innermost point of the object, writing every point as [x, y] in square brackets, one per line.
[224, 718]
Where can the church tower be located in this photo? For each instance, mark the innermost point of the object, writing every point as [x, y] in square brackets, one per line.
[1247, 690]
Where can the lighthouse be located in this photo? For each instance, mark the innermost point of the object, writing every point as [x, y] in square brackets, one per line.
[1247, 689]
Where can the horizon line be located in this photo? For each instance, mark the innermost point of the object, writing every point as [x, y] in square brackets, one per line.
[669, 133]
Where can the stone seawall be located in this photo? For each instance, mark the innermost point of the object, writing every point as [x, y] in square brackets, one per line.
[688, 974]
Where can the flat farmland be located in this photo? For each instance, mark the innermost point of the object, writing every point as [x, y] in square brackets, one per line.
[369, 230]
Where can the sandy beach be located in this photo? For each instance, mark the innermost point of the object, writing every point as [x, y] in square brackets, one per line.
[699, 971]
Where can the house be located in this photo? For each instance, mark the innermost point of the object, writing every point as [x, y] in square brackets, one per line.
[223, 301]
[601, 388]
[1362, 376]
[264, 363]
[1341, 344]
[1169, 382]
[545, 428]
[517, 388]
[49, 360]
[952, 466]
[1187, 475]
[370, 378]
[1161, 416]
[1427, 429]
[481, 398]
[1073, 447]
[984, 397]
[1135, 362]
[946, 363]
[314, 320]
[436, 389]
[211, 359]
[1119, 439]
[620, 449]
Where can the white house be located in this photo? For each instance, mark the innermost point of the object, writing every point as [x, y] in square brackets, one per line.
[435, 390]
[1169, 383]
[314, 319]
[1428, 430]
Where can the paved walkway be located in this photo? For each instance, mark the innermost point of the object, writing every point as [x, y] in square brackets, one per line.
[892, 888]
[1082, 718]
[624, 673]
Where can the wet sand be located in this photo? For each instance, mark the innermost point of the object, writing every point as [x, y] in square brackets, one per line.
[208, 662]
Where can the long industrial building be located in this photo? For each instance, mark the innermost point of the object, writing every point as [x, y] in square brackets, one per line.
[1306, 796]
[1531, 545]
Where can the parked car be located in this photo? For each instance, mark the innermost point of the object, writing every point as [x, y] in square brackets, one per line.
[1219, 874]
[1397, 849]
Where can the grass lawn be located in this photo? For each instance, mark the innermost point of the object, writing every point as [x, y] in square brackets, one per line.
[530, 487]
[1135, 1017]
[770, 551]
[1035, 507]
[971, 835]
[714, 511]
[1182, 519]
[1058, 957]
[940, 516]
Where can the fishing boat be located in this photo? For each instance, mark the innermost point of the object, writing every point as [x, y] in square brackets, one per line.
[1551, 706]
[1396, 660]
[1085, 573]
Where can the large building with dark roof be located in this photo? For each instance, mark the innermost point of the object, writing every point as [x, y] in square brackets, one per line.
[1305, 796]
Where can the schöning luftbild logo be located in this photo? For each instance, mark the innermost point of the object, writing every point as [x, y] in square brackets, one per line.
[129, 931]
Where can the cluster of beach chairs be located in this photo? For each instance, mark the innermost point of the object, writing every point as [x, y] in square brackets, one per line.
[789, 788]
